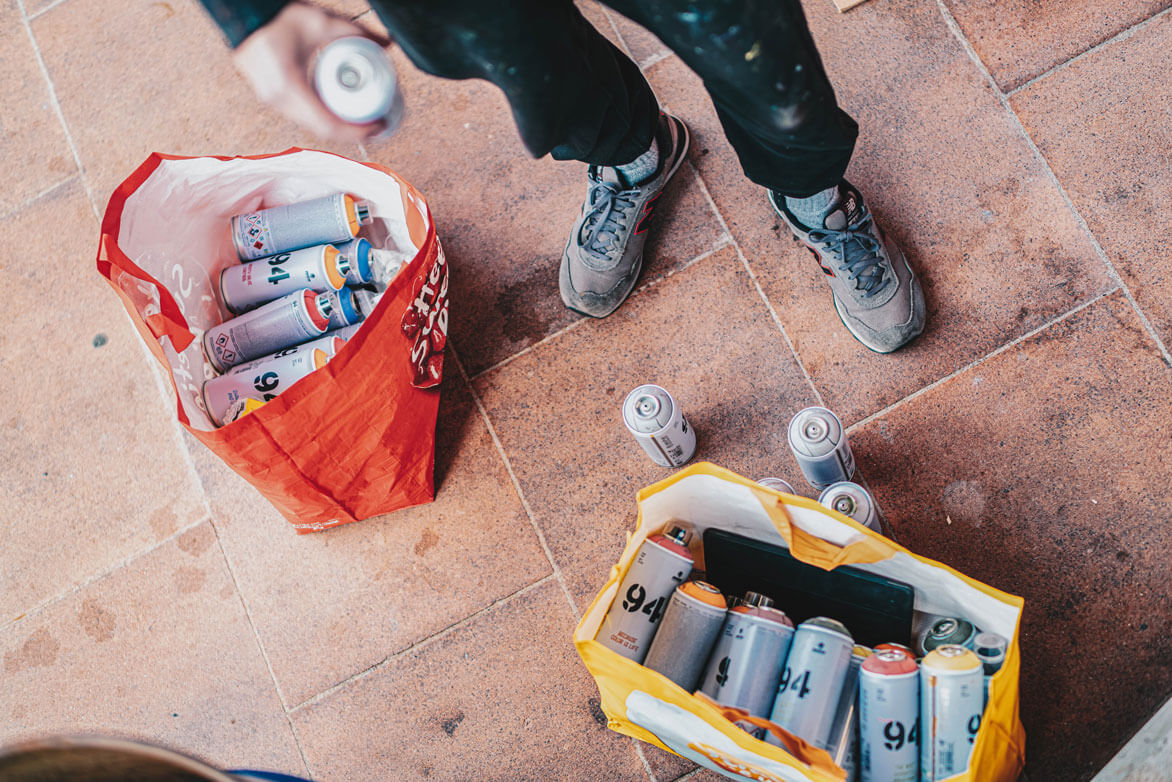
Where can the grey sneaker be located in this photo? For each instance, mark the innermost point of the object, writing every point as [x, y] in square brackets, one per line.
[603, 257]
[876, 294]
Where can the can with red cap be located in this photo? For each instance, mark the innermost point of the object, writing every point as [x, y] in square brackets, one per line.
[287, 321]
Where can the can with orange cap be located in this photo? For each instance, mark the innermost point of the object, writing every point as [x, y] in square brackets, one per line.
[279, 229]
[247, 285]
[952, 700]
[689, 628]
[226, 397]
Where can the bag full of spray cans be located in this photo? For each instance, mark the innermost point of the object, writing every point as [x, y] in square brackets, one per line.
[732, 683]
[298, 304]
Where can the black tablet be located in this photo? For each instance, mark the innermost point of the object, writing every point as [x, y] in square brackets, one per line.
[875, 609]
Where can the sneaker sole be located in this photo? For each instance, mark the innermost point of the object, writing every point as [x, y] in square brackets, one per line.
[565, 287]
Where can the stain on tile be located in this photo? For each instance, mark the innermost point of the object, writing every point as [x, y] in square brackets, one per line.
[1041, 480]
[189, 579]
[426, 541]
[195, 542]
[449, 725]
[97, 622]
[163, 522]
[38, 651]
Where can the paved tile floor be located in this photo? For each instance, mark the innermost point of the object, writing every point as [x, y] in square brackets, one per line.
[1018, 151]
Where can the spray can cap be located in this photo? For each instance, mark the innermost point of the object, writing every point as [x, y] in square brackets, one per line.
[756, 599]
[678, 534]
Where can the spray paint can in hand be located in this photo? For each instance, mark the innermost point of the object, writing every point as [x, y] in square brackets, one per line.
[655, 420]
[889, 717]
[746, 662]
[661, 564]
[357, 83]
[812, 680]
[262, 380]
[820, 447]
[690, 626]
[247, 285]
[288, 321]
[279, 229]
[952, 700]
[851, 499]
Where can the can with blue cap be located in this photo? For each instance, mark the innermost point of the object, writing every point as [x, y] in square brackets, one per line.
[357, 252]
[344, 309]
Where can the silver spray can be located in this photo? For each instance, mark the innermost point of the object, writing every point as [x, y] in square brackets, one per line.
[889, 717]
[952, 700]
[852, 500]
[261, 380]
[777, 484]
[357, 252]
[990, 650]
[945, 630]
[661, 564]
[812, 680]
[690, 626]
[288, 321]
[247, 285]
[747, 660]
[655, 420]
[820, 447]
[344, 309]
[843, 744]
[345, 332]
[357, 83]
[279, 229]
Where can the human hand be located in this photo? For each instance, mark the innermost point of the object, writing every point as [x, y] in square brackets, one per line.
[275, 60]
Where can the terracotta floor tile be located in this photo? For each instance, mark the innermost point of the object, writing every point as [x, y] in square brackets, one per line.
[946, 172]
[504, 697]
[1022, 39]
[83, 415]
[504, 218]
[153, 77]
[1102, 124]
[33, 146]
[160, 649]
[642, 44]
[1039, 472]
[366, 590]
[557, 409]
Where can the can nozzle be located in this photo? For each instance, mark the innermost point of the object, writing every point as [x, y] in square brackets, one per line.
[678, 534]
[362, 211]
[757, 599]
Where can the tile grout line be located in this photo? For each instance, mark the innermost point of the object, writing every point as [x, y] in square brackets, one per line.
[980, 360]
[1112, 272]
[643, 758]
[57, 108]
[124, 562]
[557, 571]
[1121, 36]
[420, 644]
[46, 9]
[756, 284]
[720, 244]
[654, 60]
[33, 199]
[615, 29]
[259, 645]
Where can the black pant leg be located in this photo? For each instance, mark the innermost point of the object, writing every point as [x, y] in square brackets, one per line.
[763, 73]
[573, 94]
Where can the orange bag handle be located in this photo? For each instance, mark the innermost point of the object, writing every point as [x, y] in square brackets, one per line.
[817, 759]
[812, 549]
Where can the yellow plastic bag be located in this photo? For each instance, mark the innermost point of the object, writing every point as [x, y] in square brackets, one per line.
[642, 703]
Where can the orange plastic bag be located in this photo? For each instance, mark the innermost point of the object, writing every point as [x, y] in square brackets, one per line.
[352, 440]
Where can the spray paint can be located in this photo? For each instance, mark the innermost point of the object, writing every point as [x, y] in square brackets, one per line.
[690, 626]
[820, 447]
[247, 285]
[261, 380]
[279, 229]
[990, 650]
[843, 744]
[346, 332]
[660, 565]
[889, 717]
[653, 417]
[945, 630]
[748, 657]
[357, 252]
[344, 310]
[357, 83]
[852, 500]
[952, 699]
[777, 484]
[812, 680]
[891, 645]
[288, 321]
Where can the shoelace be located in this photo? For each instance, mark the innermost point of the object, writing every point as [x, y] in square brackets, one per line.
[858, 253]
[607, 219]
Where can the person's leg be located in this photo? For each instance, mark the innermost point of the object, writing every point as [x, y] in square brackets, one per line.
[762, 70]
[574, 96]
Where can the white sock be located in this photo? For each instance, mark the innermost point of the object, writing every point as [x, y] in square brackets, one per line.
[642, 167]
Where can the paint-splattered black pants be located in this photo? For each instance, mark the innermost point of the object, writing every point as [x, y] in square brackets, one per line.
[577, 97]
